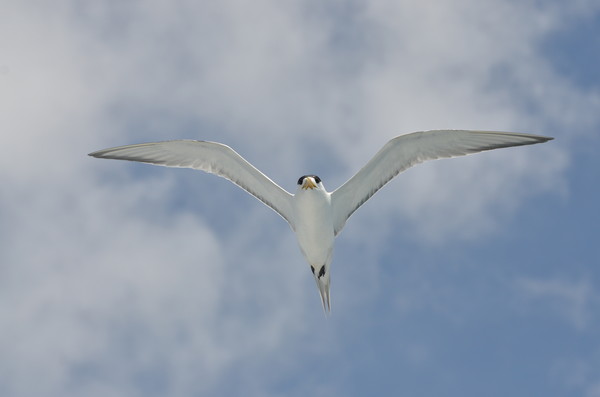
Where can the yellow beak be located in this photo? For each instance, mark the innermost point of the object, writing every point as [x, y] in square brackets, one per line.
[309, 183]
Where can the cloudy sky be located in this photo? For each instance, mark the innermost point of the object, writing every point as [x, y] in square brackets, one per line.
[465, 277]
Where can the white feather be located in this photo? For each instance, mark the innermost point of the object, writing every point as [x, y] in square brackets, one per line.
[407, 150]
[211, 157]
[314, 214]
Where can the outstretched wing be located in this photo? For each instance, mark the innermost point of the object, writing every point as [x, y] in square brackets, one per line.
[211, 157]
[407, 150]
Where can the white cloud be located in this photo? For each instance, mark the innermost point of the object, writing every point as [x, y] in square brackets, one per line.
[107, 288]
[581, 376]
[575, 301]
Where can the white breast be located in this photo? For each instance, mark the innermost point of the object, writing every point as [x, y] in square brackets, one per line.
[313, 219]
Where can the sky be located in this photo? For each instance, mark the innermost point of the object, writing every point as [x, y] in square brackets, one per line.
[464, 277]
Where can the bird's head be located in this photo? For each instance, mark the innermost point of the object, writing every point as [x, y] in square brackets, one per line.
[321, 275]
[306, 182]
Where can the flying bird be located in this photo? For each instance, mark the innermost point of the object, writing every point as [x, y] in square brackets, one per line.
[314, 214]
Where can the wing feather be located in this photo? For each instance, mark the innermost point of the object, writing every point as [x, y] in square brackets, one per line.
[405, 151]
[214, 158]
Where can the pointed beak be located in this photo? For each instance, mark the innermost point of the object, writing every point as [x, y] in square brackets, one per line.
[323, 285]
[309, 183]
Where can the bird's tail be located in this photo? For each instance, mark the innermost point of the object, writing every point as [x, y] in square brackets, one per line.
[323, 284]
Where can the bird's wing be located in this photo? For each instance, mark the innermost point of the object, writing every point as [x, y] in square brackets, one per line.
[211, 157]
[407, 150]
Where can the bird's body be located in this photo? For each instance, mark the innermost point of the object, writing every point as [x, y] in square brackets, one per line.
[314, 230]
[314, 225]
[315, 215]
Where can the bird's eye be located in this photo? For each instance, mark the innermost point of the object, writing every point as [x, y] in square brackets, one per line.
[312, 268]
[301, 180]
[317, 179]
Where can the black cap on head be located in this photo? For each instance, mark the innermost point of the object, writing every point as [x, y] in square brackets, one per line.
[316, 178]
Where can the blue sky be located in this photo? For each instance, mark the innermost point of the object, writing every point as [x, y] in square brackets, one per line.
[464, 277]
